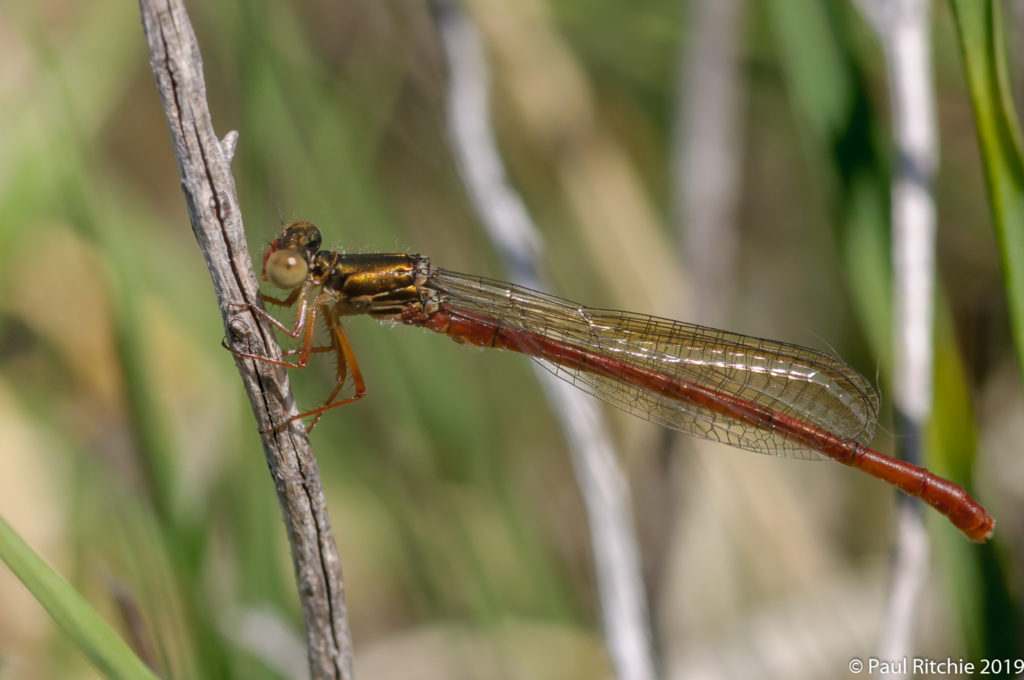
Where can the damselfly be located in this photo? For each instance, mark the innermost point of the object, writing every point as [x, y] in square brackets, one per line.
[760, 395]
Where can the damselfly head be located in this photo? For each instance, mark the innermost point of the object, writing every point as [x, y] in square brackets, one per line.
[286, 262]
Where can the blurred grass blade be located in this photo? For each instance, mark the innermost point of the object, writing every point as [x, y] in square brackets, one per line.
[828, 89]
[980, 31]
[70, 610]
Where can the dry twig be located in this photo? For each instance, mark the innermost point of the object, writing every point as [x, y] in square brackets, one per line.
[204, 165]
[903, 28]
[601, 480]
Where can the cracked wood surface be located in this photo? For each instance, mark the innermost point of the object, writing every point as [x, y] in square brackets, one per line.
[204, 166]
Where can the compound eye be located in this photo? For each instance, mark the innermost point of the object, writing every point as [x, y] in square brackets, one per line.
[286, 269]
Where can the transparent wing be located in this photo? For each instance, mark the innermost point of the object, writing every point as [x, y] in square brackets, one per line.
[796, 381]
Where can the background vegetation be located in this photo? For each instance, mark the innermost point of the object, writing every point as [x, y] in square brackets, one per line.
[130, 461]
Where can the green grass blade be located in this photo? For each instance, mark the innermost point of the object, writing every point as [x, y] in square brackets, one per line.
[980, 31]
[70, 610]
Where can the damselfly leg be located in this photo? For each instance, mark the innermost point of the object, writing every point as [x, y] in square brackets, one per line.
[305, 327]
